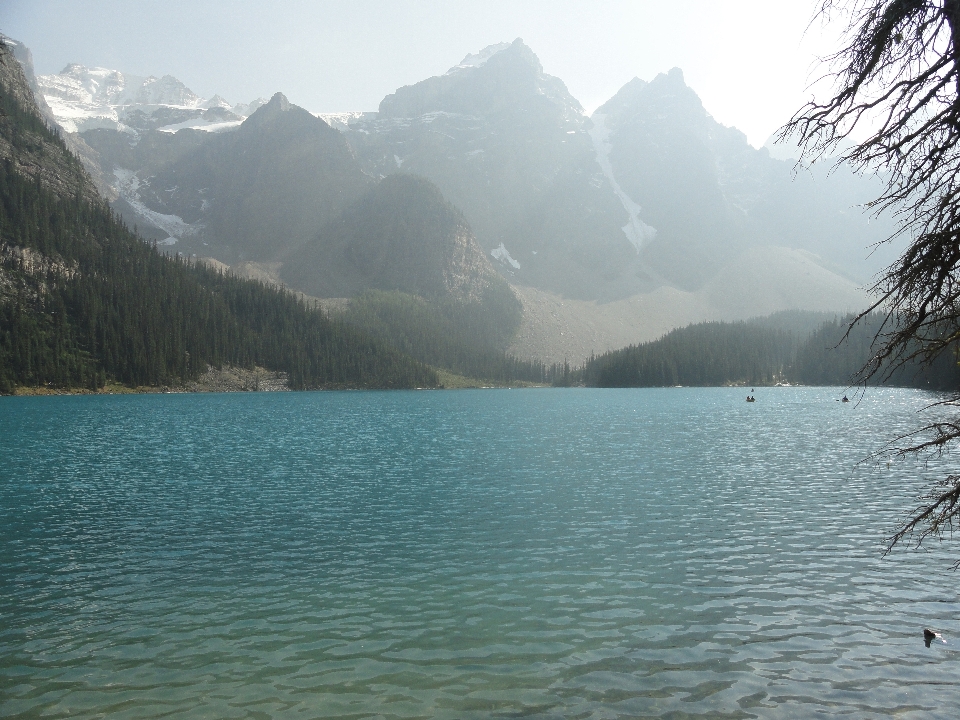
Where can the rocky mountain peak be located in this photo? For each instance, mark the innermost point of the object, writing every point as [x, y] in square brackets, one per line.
[501, 79]
[217, 101]
[280, 112]
[479, 58]
[278, 103]
[516, 54]
[625, 100]
[666, 99]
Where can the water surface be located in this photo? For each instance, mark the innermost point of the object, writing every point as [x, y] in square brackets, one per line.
[467, 554]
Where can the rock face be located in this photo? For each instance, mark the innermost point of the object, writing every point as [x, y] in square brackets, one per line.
[661, 151]
[402, 235]
[32, 154]
[504, 81]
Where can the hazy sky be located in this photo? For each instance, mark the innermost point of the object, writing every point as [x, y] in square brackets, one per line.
[749, 60]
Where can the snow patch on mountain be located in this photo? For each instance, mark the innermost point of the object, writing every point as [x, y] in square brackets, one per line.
[128, 186]
[500, 253]
[637, 231]
[472, 61]
[430, 117]
[201, 124]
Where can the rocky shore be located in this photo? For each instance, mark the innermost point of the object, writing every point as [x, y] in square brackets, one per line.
[225, 379]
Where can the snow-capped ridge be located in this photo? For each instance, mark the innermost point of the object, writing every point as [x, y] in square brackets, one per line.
[87, 98]
[248, 109]
[166, 90]
[342, 120]
[217, 101]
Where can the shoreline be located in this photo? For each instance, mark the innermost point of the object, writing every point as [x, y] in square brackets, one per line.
[231, 379]
[224, 379]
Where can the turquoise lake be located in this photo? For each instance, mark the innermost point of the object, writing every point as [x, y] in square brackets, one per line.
[468, 554]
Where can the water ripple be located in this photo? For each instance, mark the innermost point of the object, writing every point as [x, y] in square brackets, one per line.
[543, 554]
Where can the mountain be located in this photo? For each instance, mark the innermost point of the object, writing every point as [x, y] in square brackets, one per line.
[711, 196]
[254, 193]
[508, 145]
[418, 279]
[663, 150]
[83, 300]
[649, 192]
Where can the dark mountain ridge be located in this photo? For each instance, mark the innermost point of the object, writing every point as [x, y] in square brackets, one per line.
[28, 142]
[401, 235]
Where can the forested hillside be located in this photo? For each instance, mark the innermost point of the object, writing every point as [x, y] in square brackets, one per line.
[761, 352]
[83, 299]
[713, 353]
[466, 338]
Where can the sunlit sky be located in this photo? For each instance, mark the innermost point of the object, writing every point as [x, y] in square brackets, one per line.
[751, 61]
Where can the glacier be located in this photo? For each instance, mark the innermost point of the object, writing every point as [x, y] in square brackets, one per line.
[128, 186]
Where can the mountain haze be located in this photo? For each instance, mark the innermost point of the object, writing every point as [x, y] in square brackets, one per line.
[401, 235]
[507, 144]
[711, 196]
[650, 203]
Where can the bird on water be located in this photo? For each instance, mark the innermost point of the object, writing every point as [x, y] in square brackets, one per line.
[929, 636]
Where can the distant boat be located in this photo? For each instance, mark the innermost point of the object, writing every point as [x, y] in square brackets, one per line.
[845, 399]
[751, 398]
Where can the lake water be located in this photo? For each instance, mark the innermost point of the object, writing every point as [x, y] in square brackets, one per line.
[467, 554]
